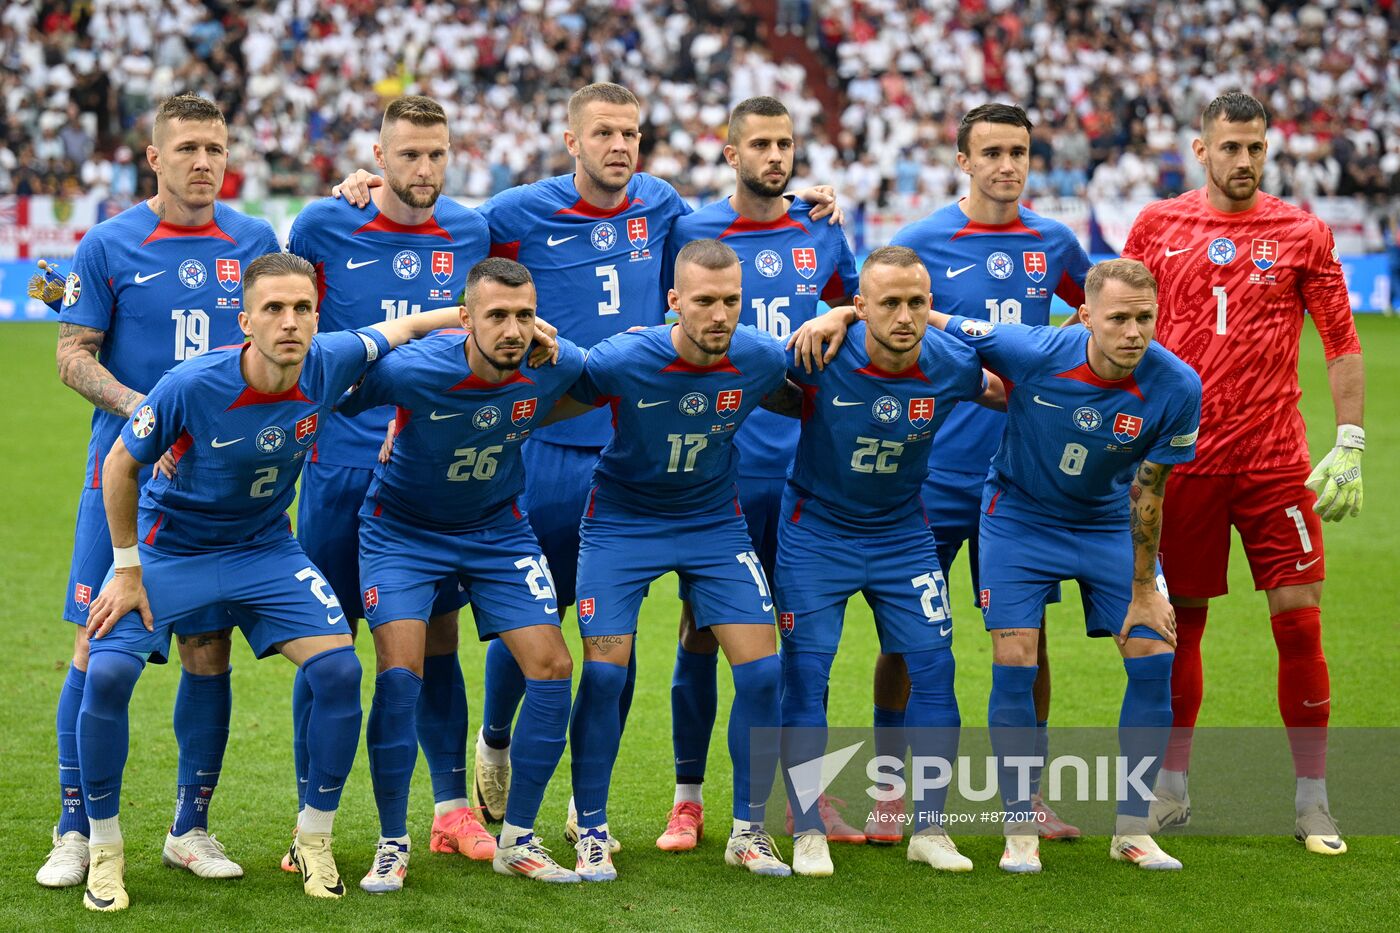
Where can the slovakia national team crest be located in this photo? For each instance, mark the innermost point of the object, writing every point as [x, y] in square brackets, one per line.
[522, 411]
[768, 263]
[1035, 266]
[603, 237]
[786, 622]
[486, 418]
[306, 429]
[442, 266]
[728, 401]
[637, 232]
[886, 409]
[804, 260]
[920, 411]
[1126, 427]
[694, 403]
[192, 273]
[1265, 254]
[82, 595]
[229, 273]
[1000, 265]
[270, 439]
[371, 600]
[1087, 419]
[1221, 251]
[407, 265]
[585, 611]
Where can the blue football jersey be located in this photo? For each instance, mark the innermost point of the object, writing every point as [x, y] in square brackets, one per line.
[1073, 440]
[1005, 273]
[238, 451]
[867, 432]
[371, 269]
[456, 459]
[672, 450]
[162, 293]
[790, 265]
[597, 272]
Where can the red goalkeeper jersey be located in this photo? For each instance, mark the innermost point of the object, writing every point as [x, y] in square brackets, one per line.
[1232, 290]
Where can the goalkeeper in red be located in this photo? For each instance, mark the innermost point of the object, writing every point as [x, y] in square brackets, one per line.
[1237, 270]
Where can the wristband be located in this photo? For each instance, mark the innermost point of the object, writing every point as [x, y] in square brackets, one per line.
[124, 557]
[1351, 435]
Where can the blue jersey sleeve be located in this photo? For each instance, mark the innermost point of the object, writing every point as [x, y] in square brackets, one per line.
[1012, 351]
[266, 240]
[593, 384]
[377, 388]
[345, 356]
[159, 420]
[88, 299]
[1076, 264]
[845, 280]
[1177, 441]
[509, 217]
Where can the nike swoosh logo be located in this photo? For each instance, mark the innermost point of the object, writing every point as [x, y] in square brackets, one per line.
[553, 242]
[1310, 705]
[1040, 401]
[767, 607]
[643, 404]
[685, 761]
[840, 404]
[434, 416]
[103, 902]
[458, 770]
[1177, 252]
[326, 790]
[139, 278]
[352, 264]
[301, 780]
[218, 443]
[100, 796]
[1302, 566]
[954, 273]
[550, 610]
[339, 618]
[206, 773]
[499, 728]
[590, 812]
[945, 631]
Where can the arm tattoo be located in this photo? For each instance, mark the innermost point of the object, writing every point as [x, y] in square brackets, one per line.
[80, 370]
[785, 400]
[1145, 522]
[604, 644]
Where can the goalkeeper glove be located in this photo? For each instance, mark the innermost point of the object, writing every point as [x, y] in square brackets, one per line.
[1337, 479]
[48, 286]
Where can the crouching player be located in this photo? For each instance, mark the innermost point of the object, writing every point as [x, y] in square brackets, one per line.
[441, 513]
[238, 422]
[853, 523]
[1097, 415]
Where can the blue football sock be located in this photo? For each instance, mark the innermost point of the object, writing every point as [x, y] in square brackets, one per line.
[203, 705]
[301, 714]
[932, 722]
[805, 677]
[757, 698]
[1042, 751]
[504, 686]
[694, 703]
[889, 733]
[539, 744]
[595, 731]
[104, 729]
[442, 725]
[72, 815]
[1011, 716]
[333, 728]
[629, 686]
[392, 749]
[1144, 724]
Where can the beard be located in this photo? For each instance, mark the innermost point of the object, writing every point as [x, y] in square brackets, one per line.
[408, 196]
[503, 365]
[595, 174]
[712, 344]
[1237, 189]
[764, 189]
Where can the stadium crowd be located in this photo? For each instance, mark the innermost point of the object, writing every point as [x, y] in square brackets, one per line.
[1111, 86]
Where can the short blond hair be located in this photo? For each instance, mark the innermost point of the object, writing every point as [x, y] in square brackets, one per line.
[604, 92]
[415, 109]
[1128, 271]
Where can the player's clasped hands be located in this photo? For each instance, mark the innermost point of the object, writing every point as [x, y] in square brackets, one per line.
[1151, 610]
[125, 593]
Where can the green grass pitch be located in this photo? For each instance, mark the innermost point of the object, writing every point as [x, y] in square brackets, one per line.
[1227, 882]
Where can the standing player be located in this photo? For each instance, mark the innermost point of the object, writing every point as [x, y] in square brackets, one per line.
[1094, 409]
[853, 523]
[239, 422]
[444, 509]
[410, 250]
[665, 500]
[159, 283]
[790, 264]
[1236, 317]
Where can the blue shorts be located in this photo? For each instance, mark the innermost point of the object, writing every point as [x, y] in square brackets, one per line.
[621, 553]
[92, 562]
[498, 569]
[899, 574]
[1030, 561]
[272, 591]
[557, 481]
[761, 498]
